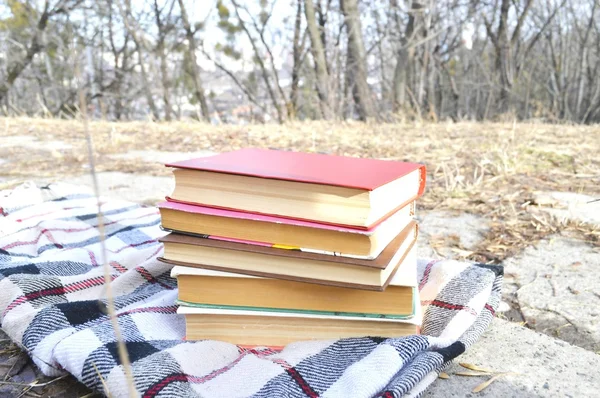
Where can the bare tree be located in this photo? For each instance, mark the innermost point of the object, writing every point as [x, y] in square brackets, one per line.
[504, 41]
[134, 29]
[298, 45]
[265, 73]
[164, 25]
[194, 70]
[405, 54]
[356, 60]
[36, 44]
[539, 59]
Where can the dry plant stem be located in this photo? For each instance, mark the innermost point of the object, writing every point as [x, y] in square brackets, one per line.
[34, 384]
[123, 355]
[486, 384]
[106, 390]
[475, 368]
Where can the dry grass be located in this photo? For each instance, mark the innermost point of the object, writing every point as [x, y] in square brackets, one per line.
[489, 169]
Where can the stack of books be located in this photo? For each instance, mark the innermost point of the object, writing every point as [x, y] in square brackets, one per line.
[271, 247]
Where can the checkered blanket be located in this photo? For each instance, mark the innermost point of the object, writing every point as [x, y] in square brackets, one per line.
[52, 303]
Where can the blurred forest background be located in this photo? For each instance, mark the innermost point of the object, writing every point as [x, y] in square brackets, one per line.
[240, 61]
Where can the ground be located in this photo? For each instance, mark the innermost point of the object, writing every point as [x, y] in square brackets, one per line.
[521, 195]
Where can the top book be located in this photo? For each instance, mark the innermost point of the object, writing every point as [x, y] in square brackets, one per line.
[339, 190]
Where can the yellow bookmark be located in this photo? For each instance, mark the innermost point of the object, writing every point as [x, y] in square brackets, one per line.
[286, 247]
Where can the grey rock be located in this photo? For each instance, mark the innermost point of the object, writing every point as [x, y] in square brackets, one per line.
[468, 228]
[557, 285]
[545, 368]
[568, 206]
[132, 187]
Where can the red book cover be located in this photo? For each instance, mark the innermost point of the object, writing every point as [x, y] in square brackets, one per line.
[342, 171]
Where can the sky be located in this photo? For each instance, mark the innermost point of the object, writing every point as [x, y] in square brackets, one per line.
[205, 10]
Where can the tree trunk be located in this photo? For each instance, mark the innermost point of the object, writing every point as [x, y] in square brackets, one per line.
[503, 57]
[357, 61]
[318, 53]
[138, 46]
[503, 44]
[322, 19]
[296, 55]
[380, 36]
[146, 83]
[404, 58]
[582, 62]
[455, 94]
[431, 88]
[194, 71]
[164, 77]
[160, 49]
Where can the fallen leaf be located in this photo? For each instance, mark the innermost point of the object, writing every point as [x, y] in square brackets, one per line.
[472, 374]
[574, 291]
[485, 384]
[463, 253]
[475, 368]
[443, 375]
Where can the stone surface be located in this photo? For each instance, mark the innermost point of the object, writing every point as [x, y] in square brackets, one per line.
[26, 141]
[569, 206]
[133, 187]
[546, 367]
[161, 156]
[439, 228]
[557, 285]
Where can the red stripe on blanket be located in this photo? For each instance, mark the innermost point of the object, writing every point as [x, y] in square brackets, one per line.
[118, 266]
[34, 216]
[130, 246]
[148, 276]
[160, 247]
[55, 291]
[490, 309]
[181, 377]
[426, 273]
[93, 258]
[450, 306]
[157, 387]
[306, 388]
[297, 377]
[46, 231]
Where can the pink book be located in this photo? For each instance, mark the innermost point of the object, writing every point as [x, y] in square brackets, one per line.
[386, 230]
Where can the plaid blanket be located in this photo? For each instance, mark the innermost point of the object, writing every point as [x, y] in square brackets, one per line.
[52, 303]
